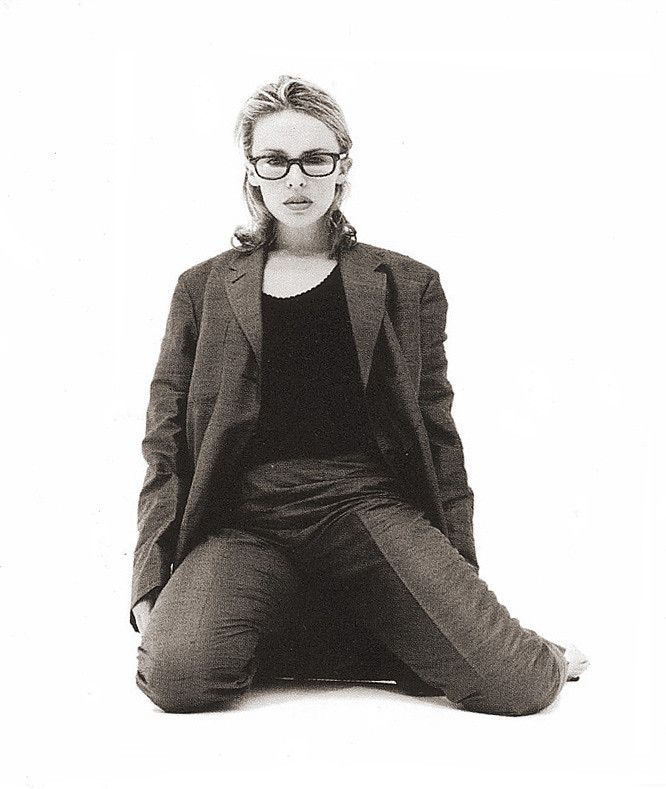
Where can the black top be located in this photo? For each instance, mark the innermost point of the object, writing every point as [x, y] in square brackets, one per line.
[311, 395]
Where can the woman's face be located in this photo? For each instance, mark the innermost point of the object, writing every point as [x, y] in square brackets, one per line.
[291, 133]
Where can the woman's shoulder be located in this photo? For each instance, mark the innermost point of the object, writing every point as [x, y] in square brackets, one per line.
[402, 264]
[195, 277]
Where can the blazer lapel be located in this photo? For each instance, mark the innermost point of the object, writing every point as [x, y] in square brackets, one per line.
[365, 292]
[243, 282]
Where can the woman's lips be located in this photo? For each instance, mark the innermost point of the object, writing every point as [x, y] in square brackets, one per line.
[299, 206]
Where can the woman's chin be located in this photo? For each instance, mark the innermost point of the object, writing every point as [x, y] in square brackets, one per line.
[300, 220]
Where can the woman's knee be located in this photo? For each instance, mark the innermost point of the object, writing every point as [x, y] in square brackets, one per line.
[177, 679]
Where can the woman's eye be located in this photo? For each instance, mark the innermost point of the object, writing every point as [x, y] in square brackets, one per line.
[276, 160]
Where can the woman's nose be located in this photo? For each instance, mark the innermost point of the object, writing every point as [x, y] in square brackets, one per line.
[295, 175]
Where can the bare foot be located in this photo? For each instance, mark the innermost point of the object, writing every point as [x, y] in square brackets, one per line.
[577, 662]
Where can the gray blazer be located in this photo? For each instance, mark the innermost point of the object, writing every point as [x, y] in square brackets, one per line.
[204, 398]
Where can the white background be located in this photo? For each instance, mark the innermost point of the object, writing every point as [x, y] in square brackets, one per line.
[517, 147]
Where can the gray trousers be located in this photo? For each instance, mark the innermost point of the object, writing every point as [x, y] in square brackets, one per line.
[344, 522]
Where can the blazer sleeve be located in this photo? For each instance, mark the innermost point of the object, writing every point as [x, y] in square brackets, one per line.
[435, 400]
[169, 474]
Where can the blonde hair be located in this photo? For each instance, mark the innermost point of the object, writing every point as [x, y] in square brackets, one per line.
[296, 94]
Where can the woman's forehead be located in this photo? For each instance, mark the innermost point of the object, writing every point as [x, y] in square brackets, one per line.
[293, 133]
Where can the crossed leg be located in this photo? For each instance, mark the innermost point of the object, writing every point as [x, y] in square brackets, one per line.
[400, 577]
[200, 646]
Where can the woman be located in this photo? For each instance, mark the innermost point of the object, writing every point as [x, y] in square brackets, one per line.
[299, 427]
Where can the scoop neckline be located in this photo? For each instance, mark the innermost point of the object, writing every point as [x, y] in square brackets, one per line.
[303, 292]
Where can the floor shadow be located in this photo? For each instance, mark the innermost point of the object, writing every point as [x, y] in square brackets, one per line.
[269, 692]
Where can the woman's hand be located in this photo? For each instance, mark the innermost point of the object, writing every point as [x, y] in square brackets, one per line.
[142, 611]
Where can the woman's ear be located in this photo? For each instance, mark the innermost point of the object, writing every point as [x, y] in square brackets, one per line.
[252, 176]
[345, 164]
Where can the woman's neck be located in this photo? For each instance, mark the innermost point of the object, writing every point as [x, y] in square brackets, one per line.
[304, 242]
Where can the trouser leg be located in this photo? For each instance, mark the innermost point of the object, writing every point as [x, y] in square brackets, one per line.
[403, 580]
[199, 648]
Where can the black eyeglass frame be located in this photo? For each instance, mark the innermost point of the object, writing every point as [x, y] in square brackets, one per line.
[336, 158]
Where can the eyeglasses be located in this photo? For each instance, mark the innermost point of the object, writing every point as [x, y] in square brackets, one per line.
[316, 165]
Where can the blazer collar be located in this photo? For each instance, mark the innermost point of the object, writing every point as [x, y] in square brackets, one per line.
[364, 285]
